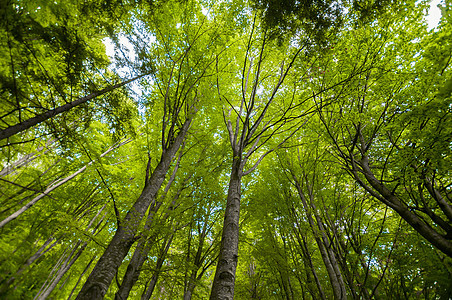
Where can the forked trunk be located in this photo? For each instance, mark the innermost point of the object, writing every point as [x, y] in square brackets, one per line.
[106, 268]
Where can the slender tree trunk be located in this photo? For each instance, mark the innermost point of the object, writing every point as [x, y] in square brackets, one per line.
[191, 284]
[145, 244]
[197, 261]
[24, 125]
[307, 256]
[28, 158]
[103, 273]
[61, 272]
[338, 249]
[189, 292]
[150, 289]
[322, 243]
[223, 284]
[42, 195]
[80, 277]
[41, 251]
[139, 257]
[53, 186]
[341, 291]
[47, 290]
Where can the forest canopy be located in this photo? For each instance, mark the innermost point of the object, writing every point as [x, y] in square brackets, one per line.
[227, 149]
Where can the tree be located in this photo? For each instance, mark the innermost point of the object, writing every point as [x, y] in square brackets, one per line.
[180, 93]
[382, 151]
[48, 46]
[253, 128]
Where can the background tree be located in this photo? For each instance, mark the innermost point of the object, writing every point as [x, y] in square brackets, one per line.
[380, 149]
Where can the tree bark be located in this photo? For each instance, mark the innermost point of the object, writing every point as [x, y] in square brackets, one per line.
[12, 130]
[144, 244]
[303, 245]
[106, 268]
[224, 280]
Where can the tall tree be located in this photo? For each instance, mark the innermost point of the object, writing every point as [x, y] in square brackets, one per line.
[322, 138]
[180, 87]
[383, 145]
[262, 78]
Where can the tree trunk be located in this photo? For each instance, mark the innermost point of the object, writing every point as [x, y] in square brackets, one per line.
[41, 251]
[197, 261]
[224, 280]
[144, 244]
[148, 292]
[12, 130]
[390, 199]
[47, 290]
[139, 257]
[191, 286]
[55, 185]
[66, 266]
[28, 158]
[301, 239]
[80, 277]
[106, 268]
[328, 256]
[339, 284]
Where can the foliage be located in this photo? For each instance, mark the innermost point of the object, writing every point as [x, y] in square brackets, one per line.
[341, 114]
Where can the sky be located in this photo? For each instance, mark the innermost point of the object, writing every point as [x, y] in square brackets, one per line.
[434, 14]
[433, 17]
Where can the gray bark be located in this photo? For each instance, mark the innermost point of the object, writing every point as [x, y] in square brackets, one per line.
[106, 268]
[303, 245]
[249, 128]
[223, 284]
[139, 257]
[145, 244]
